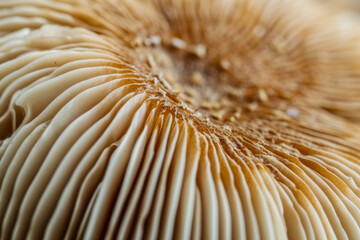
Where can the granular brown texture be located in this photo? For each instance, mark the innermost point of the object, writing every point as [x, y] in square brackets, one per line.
[163, 119]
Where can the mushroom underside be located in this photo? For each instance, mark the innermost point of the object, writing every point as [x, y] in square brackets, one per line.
[178, 119]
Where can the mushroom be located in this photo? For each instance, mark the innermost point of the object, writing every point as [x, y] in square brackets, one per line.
[178, 119]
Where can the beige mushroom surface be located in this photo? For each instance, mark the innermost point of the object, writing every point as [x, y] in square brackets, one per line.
[161, 119]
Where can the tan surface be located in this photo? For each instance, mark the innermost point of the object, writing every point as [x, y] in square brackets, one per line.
[178, 119]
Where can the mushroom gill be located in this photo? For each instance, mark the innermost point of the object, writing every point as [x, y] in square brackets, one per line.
[178, 119]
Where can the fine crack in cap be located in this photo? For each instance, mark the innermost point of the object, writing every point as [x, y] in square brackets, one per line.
[179, 119]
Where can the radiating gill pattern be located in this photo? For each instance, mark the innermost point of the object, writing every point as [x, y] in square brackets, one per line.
[180, 119]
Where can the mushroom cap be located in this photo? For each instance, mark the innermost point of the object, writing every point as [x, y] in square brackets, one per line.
[178, 119]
